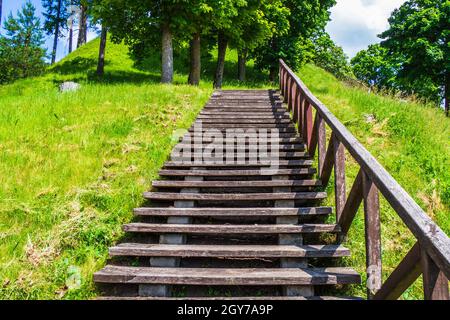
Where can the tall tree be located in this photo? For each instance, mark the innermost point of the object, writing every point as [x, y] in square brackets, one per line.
[55, 17]
[144, 24]
[224, 16]
[82, 23]
[375, 67]
[102, 52]
[419, 35]
[21, 52]
[306, 18]
[327, 55]
[70, 23]
[256, 23]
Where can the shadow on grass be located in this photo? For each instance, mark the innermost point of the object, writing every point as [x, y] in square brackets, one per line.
[148, 71]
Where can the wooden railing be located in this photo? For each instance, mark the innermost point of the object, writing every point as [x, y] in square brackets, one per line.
[430, 255]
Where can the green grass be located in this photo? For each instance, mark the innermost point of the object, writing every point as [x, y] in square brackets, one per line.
[74, 165]
[411, 140]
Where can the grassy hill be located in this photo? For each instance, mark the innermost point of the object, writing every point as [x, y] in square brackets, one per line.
[73, 165]
[411, 140]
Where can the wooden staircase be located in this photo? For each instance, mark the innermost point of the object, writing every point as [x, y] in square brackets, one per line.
[221, 230]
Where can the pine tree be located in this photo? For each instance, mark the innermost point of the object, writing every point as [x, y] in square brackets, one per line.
[56, 16]
[1, 4]
[21, 52]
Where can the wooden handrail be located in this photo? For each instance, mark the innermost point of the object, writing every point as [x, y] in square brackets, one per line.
[373, 178]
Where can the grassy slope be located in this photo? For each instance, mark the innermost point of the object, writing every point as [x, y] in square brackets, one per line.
[74, 165]
[411, 141]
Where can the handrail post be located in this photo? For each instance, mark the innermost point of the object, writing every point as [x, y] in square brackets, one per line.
[373, 235]
[295, 104]
[321, 142]
[339, 176]
[307, 123]
[435, 283]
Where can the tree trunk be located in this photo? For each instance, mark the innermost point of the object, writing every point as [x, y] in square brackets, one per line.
[195, 68]
[82, 33]
[222, 50]
[70, 22]
[55, 40]
[272, 73]
[101, 52]
[71, 39]
[167, 55]
[242, 60]
[447, 95]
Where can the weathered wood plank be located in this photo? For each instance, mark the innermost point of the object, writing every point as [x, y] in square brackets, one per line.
[233, 212]
[435, 283]
[228, 251]
[402, 277]
[352, 204]
[230, 229]
[212, 276]
[236, 184]
[373, 235]
[237, 173]
[321, 142]
[219, 163]
[339, 176]
[260, 298]
[235, 196]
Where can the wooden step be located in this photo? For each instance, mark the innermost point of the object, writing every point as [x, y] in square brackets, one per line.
[233, 212]
[250, 116]
[170, 196]
[207, 139]
[230, 229]
[236, 184]
[279, 127]
[243, 147]
[215, 163]
[280, 132]
[237, 173]
[228, 251]
[260, 298]
[226, 277]
[281, 155]
[220, 120]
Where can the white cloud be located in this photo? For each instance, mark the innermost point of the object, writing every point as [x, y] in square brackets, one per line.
[356, 23]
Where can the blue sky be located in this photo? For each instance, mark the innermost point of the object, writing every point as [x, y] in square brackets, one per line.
[355, 23]
[63, 45]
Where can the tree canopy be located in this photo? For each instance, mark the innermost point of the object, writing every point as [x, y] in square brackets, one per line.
[21, 53]
[414, 56]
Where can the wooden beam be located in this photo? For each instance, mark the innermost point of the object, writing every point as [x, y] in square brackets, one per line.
[373, 236]
[339, 176]
[351, 207]
[435, 283]
[321, 141]
[308, 123]
[325, 173]
[314, 136]
[295, 104]
[402, 277]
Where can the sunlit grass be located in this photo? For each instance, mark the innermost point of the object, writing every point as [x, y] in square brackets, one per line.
[74, 165]
[412, 141]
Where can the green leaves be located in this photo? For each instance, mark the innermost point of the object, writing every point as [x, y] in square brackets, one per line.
[21, 54]
[418, 37]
